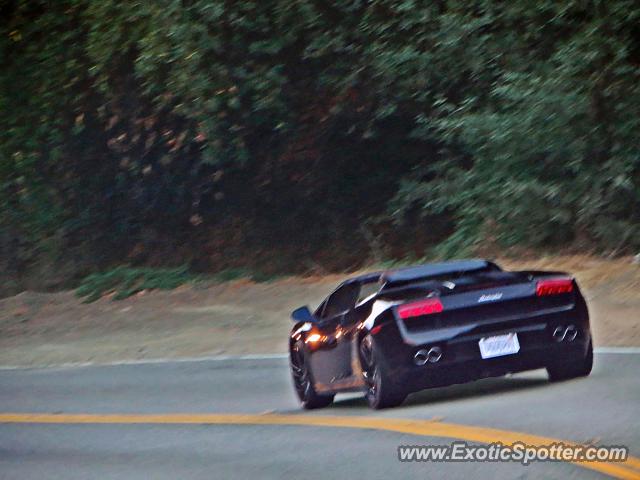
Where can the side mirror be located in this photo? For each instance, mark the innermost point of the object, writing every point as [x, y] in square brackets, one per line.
[302, 314]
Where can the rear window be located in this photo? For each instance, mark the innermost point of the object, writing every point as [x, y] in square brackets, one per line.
[368, 289]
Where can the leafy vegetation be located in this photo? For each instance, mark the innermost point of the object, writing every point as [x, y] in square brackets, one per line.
[125, 281]
[280, 136]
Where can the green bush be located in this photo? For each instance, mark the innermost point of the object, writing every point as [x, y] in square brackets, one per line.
[127, 281]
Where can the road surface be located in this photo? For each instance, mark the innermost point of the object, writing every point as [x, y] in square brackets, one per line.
[238, 419]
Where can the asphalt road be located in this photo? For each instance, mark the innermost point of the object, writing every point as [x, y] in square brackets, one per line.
[134, 431]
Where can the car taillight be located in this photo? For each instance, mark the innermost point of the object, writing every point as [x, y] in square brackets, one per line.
[417, 309]
[554, 286]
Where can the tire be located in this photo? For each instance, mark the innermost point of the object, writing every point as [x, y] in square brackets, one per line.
[572, 369]
[382, 390]
[303, 379]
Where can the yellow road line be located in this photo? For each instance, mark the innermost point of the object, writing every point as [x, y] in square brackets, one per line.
[629, 470]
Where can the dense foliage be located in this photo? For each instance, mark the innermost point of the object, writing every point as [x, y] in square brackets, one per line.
[297, 135]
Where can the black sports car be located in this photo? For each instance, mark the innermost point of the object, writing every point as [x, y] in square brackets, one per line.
[395, 332]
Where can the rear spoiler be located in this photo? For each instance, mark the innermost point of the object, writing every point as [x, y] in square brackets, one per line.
[433, 271]
[543, 273]
[388, 290]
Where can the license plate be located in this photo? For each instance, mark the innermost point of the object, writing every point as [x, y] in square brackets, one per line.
[499, 345]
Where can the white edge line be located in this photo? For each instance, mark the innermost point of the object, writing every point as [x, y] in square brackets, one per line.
[618, 350]
[221, 358]
[149, 361]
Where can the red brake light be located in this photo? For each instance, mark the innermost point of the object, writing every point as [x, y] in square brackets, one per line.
[375, 330]
[554, 287]
[423, 307]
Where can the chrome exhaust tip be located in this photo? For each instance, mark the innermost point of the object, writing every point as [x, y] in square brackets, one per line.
[570, 333]
[558, 334]
[434, 355]
[421, 357]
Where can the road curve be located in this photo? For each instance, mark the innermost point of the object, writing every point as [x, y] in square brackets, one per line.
[239, 419]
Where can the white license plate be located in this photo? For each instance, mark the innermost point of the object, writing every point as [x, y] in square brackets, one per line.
[499, 345]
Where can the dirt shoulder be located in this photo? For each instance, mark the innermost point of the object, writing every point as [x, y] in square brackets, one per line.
[248, 318]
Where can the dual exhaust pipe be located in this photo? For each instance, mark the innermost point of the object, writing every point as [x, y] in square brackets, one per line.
[565, 334]
[424, 356]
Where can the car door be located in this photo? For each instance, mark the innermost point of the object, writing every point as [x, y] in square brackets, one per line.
[330, 358]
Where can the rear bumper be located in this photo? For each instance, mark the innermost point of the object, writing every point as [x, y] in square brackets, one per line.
[461, 360]
[460, 371]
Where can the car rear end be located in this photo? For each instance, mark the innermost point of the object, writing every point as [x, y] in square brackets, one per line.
[487, 324]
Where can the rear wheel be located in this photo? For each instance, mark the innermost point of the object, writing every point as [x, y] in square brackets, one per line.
[572, 369]
[303, 380]
[382, 391]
